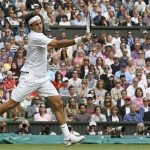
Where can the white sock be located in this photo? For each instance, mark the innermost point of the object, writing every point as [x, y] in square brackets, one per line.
[65, 131]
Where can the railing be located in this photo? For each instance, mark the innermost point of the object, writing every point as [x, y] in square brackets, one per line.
[36, 127]
[74, 30]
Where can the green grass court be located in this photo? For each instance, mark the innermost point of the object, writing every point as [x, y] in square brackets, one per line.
[74, 147]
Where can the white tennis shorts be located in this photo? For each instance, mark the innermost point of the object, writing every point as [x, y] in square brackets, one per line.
[29, 83]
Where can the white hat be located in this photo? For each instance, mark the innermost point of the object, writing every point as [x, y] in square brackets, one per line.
[110, 75]
[145, 31]
[108, 45]
[89, 96]
[92, 123]
[65, 79]
[25, 122]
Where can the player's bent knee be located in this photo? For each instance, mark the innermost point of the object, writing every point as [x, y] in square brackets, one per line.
[57, 105]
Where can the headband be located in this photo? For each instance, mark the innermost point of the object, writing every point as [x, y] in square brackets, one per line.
[35, 18]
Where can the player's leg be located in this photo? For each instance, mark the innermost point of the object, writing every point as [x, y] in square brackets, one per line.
[48, 91]
[8, 105]
[57, 104]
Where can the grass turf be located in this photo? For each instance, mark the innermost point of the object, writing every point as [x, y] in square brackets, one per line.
[74, 147]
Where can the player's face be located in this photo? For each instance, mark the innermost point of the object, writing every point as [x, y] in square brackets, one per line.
[37, 26]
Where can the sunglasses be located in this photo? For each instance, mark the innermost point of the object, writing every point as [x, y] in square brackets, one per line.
[127, 100]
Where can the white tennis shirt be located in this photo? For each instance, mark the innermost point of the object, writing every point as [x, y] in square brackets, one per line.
[36, 58]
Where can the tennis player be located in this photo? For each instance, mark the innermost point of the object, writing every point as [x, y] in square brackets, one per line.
[34, 74]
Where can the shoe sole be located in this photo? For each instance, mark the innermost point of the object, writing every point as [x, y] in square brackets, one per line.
[72, 143]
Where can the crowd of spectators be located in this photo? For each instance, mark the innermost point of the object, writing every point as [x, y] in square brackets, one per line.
[106, 79]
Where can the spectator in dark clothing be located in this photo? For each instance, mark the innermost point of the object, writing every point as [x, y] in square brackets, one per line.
[146, 116]
[100, 20]
[125, 109]
[115, 66]
[109, 83]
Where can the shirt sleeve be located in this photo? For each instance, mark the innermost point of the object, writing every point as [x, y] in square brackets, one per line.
[41, 40]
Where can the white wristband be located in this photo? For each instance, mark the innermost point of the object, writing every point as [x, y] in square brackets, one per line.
[78, 40]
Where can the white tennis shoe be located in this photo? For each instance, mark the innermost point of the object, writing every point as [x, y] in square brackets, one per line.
[73, 140]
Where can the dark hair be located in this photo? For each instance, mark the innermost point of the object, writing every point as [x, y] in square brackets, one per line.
[56, 75]
[140, 90]
[28, 17]
[96, 108]
[94, 95]
[70, 87]
[81, 105]
[147, 59]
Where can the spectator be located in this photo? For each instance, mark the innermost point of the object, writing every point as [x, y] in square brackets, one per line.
[104, 76]
[85, 67]
[116, 65]
[19, 58]
[63, 69]
[139, 129]
[140, 22]
[90, 104]
[71, 109]
[33, 108]
[146, 116]
[58, 81]
[9, 82]
[99, 67]
[82, 116]
[92, 129]
[99, 90]
[116, 91]
[138, 99]
[146, 17]
[91, 80]
[72, 93]
[46, 130]
[64, 21]
[131, 68]
[80, 56]
[99, 19]
[125, 109]
[107, 105]
[3, 127]
[133, 116]
[15, 71]
[140, 61]
[109, 84]
[145, 107]
[84, 89]
[98, 116]
[123, 71]
[115, 117]
[24, 128]
[124, 58]
[75, 81]
[63, 91]
[121, 101]
[42, 115]
[4, 95]
[63, 54]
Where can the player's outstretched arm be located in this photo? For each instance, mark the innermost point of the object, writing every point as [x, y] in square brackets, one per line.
[66, 43]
